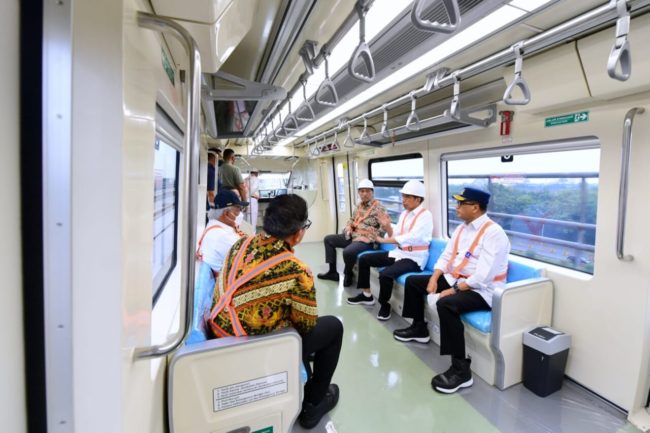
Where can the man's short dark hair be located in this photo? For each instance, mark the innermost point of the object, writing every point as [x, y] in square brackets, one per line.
[285, 215]
[228, 153]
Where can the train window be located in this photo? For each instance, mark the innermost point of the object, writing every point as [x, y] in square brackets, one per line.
[273, 184]
[340, 186]
[390, 174]
[545, 200]
[165, 213]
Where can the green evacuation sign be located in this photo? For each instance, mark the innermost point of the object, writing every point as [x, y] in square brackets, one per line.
[268, 429]
[582, 116]
[167, 66]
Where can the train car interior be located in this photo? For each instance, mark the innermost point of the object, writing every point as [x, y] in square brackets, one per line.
[116, 112]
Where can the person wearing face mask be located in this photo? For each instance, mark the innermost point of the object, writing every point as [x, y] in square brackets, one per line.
[264, 287]
[222, 230]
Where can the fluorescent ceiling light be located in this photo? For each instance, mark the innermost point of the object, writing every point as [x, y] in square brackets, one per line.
[490, 24]
[528, 5]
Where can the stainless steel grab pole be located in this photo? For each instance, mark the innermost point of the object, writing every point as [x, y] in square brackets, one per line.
[190, 187]
[622, 192]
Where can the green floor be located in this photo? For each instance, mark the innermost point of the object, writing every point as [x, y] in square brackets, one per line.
[385, 384]
[379, 376]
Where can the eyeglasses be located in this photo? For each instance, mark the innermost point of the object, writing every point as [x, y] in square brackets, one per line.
[307, 224]
[469, 203]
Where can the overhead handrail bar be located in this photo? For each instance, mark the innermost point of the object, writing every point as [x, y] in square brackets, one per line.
[518, 80]
[190, 186]
[325, 86]
[384, 126]
[622, 192]
[413, 123]
[305, 105]
[362, 53]
[451, 8]
[571, 28]
[620, 53]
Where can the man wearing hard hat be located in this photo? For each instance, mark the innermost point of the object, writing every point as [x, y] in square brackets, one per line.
[412, 235]
[369, 221]
[473, 265]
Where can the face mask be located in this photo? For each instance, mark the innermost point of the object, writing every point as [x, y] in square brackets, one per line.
[239, 218]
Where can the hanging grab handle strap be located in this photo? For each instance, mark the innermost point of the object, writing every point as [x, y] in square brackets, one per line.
[620, 53]
[362, 56]
[413, 123]
[327, 86]
[364, 133]
[518, 81]
[308, 114]
[451, 8]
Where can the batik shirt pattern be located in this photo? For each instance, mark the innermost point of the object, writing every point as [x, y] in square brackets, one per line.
[367, 220]
[282, 296]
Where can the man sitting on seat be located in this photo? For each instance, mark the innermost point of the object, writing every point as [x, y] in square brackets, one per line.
[369, 221]
[412, 236]
[264, 287]
[222, 230]
[473, 264]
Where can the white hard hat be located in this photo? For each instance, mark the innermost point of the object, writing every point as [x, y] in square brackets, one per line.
[413, 187]
[366, 183]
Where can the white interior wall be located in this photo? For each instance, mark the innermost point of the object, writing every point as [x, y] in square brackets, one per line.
[97, 237]
[12, 373]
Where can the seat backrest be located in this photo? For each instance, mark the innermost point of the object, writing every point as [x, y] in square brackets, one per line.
[436, 247]
[236, 384]
[518, 271]
[203, 291]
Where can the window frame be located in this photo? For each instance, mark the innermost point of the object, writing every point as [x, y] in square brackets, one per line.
[394, 183]
[569, 144]
[167, 130]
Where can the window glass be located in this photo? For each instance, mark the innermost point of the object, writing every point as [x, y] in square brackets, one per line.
[273, 184]
[545, 201]
[166, 160]
[389, 175]
[340, 186]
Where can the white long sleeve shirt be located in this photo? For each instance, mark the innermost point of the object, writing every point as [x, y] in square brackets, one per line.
[216, 243]
[488, 260]
[408, 234]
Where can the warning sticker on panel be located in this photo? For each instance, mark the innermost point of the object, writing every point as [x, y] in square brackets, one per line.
[242, 393]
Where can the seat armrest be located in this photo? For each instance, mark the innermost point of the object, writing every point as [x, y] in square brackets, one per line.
[517, 308]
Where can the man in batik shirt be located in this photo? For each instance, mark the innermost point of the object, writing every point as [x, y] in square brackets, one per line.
[264, 287]
[369, 221]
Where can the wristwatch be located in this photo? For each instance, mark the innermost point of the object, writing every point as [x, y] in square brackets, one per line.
[455, 287]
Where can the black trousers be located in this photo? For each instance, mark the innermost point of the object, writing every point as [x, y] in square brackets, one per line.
[324, 341]
[392, 269]
[452, 331]
[350, 250]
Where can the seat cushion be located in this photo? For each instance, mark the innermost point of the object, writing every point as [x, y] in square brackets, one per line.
[481, 320]
[402, 278]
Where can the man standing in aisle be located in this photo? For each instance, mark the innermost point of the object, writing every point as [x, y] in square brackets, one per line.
[412, 236]
[369, 221]
[230, 175]
[472, 266]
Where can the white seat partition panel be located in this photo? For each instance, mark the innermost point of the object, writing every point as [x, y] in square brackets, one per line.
[236, 384]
